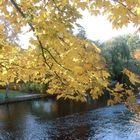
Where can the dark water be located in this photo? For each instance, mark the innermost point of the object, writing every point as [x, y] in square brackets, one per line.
[50, 120]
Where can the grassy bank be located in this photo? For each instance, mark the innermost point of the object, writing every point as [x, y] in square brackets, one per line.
[11, 94]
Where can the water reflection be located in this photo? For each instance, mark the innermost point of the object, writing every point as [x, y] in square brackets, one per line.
[65, 120]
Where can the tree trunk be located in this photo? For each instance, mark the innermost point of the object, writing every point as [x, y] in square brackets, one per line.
[7, 91]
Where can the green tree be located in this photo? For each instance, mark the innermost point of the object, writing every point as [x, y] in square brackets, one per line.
[119, 54]
[81, 32]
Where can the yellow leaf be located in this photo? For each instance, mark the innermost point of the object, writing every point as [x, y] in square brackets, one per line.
[110, 102]
[138, 11]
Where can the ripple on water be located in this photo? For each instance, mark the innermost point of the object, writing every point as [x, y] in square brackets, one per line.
[108, 123]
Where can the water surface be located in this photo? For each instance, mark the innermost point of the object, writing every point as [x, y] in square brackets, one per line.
[58, 120]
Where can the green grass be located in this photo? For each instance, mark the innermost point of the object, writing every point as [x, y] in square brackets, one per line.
[11, 94]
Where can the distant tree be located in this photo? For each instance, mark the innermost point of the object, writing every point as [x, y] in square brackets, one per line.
[81, 32]
[98, 43]
[119, 54]
[134, 65]
[133, 42]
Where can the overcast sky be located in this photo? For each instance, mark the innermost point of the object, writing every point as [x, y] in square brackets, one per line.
[99, 28]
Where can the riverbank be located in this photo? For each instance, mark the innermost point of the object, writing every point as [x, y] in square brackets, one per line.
[23, 98]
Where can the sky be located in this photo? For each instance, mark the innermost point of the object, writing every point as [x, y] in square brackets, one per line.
[97, 28]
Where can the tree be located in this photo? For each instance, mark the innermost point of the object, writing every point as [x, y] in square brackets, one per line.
[81, 33]
[73, 65]
[119, 54]
[133, 42]
[134, 45]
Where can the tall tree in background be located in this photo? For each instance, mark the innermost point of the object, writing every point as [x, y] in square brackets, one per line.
[119, 53]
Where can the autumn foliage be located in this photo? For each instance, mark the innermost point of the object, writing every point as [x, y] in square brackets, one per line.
[71, 65]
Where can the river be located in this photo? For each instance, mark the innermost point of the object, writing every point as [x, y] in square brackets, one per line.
[48, 119]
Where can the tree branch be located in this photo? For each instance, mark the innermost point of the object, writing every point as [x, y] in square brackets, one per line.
[125, 7]
[38, 39]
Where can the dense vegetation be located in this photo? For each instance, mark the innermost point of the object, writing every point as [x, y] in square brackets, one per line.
[70, 65]
[119, 54]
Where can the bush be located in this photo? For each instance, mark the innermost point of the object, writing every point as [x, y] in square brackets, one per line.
[33, 87]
